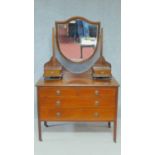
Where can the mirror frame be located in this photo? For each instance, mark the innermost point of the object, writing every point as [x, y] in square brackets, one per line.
[67, 21]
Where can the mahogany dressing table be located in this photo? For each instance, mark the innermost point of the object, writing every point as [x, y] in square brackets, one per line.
[89, 95]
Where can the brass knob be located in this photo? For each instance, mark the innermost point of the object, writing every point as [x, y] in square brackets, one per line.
[58, 103]
[97, 103]
[58, 92]
[96, 114]
[58, 114]
[96, 92]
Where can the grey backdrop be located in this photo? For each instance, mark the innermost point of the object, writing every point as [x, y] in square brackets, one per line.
[46, 12]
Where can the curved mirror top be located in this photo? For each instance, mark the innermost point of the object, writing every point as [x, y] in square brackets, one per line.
[77, 39]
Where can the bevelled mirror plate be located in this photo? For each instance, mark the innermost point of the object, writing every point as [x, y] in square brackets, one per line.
[77, 38]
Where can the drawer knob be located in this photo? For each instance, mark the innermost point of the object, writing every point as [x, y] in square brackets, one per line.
[97, 103]
[96, 92]
[58, 114]
[58, 92]
[58, 103]
[96, 114]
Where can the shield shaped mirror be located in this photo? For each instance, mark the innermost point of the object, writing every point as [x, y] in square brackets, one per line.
[77, 38]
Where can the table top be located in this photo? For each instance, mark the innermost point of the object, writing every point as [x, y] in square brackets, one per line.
[84, 79]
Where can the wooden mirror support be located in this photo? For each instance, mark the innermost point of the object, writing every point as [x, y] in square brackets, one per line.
[102, 68]
[53, 69]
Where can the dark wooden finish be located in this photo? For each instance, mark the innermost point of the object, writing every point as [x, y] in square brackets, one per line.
[77, 98]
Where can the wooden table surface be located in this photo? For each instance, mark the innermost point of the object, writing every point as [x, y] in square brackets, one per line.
[84, 79]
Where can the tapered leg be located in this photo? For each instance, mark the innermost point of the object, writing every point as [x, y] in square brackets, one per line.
[115, 131]
[115, 120]
[45, 123]
[109, 125]
[39, 130]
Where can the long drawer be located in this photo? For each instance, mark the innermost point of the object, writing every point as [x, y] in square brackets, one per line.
[77, 114]
[77, 102]
[75, 91]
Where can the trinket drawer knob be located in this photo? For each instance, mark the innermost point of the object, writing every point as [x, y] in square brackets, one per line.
[58, 114]
[96, 114]
[58, 92]
[96, 92]
[58, 103]
[97, 103]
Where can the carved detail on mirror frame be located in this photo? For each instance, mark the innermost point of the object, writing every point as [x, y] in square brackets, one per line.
[67, 22]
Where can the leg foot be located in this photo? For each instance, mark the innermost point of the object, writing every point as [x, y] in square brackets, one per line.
[45, 123]
[40, 139]
[39, 130]
[115, 131]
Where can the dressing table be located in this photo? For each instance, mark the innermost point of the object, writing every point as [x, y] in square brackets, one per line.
[75, 88]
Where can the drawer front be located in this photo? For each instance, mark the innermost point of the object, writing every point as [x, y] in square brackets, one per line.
[56, 91]
[96, 91]
[77, 114]
[77, 102]
[76, 91]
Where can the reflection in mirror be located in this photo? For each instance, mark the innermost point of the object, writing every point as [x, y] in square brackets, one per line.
[77, 39]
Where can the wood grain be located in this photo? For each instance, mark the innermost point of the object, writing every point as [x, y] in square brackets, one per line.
[75, 102]
[77, 114]
[75, 91]
[77, 98]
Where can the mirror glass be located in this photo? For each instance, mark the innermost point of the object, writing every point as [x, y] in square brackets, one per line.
[77, 39]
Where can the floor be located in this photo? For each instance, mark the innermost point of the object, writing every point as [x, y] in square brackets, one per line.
[77, 139]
